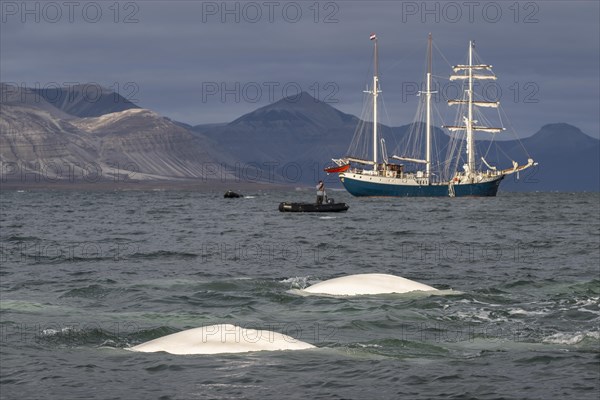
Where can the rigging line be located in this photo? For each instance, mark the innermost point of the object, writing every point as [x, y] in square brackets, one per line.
[366, 125]
[406, 55]
[391, 133]
[419, 129]
[497, 156]
[440, 53]
[355, 145]
[504, 153]
[500, 118]
[442, 77]
[411, 136]
[386, 113]
[358, 135]
[514, 132]
[491, 142]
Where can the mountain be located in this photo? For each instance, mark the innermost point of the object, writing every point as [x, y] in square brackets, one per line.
[36, 141]
[11, 95]
[569, 160]
[300, 136]
[292, 138]
[293, 113]
[87, 100]
[34, 144]
[295, 138]
[40, 143]
[142, 141]
[289, 141]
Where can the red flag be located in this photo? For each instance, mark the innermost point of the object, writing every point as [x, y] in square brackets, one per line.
[373, 36]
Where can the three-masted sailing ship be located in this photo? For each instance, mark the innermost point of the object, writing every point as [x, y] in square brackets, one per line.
[383, 177]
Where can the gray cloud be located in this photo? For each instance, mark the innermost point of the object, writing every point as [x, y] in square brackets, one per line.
[176, 50]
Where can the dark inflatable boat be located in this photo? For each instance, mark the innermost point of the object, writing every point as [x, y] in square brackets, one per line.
[232, 195]
[330, 206]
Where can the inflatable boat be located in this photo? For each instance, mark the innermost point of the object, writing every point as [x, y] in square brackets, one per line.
[329, 206]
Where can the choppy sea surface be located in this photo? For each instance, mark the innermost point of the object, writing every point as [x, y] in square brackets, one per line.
[86, 275]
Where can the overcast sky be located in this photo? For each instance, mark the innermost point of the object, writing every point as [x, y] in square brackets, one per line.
[206, 62]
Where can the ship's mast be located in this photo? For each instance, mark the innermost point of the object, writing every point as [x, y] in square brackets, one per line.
[375, 92]
[469, 124]
[428, 135]
[428, 124]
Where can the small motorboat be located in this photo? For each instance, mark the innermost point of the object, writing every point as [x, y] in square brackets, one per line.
[328, 206]
[232, 195]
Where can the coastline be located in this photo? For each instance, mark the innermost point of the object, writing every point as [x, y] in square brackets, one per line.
[197, 185]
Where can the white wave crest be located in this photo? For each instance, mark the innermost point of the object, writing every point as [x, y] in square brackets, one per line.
[571, 338]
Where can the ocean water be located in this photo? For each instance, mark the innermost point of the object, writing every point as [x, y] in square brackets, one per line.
[85, 275]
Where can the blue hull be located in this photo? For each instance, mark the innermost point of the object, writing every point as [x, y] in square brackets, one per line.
[361, 188]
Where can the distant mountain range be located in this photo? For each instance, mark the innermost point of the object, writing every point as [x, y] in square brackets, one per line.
[42, 142]
[60, 135]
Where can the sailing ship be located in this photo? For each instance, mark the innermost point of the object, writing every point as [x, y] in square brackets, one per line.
[375, 177]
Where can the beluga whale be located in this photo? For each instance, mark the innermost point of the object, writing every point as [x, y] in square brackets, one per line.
[221, 338]
[367, 284]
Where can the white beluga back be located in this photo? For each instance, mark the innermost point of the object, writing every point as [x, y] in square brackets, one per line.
[222, 338]
[366, 284]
